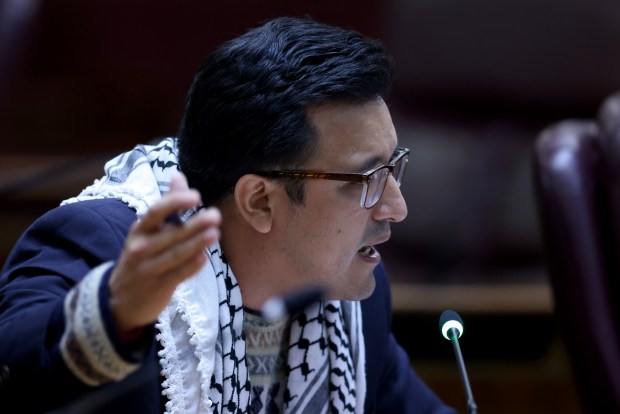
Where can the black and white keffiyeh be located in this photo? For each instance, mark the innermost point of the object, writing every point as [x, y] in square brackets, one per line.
[201, 330]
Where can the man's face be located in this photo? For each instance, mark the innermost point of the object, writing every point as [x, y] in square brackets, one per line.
[330, 239]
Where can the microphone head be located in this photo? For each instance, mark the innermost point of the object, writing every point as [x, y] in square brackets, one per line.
[450, 319]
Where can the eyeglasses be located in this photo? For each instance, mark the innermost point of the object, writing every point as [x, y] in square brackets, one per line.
[373, 181]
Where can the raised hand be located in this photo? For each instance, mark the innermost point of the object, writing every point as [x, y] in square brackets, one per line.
[158, 255]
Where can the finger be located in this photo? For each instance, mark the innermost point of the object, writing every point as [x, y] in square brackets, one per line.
[178, 182]
[168, 263]
[131, 311]
[178, 198]
[172, 202]
[187, 269]
[142, 246]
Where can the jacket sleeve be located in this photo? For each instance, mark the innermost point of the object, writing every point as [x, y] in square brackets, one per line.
[393, 385]
[46, 275]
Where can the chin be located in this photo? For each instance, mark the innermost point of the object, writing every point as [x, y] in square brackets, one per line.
[357, 292]
[367, 292]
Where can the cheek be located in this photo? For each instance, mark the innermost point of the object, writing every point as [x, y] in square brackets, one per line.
[344, 239]
[333, 227]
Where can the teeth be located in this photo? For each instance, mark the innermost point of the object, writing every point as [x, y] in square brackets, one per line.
[366, 251]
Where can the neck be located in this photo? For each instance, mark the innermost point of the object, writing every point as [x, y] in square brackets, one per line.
[254, 261]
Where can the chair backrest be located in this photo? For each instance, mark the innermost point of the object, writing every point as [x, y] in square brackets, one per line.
[577, 179]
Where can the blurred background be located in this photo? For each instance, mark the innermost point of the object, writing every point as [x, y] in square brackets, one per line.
[476, 82]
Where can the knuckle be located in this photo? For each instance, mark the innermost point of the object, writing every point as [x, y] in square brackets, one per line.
[135, 249]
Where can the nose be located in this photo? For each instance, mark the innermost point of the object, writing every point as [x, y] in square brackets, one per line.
[392, 206]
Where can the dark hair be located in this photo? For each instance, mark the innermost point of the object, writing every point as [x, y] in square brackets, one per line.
[246, 108]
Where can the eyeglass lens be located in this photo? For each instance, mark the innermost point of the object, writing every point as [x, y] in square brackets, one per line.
[399, 169]
[376, 184]
[378, 181]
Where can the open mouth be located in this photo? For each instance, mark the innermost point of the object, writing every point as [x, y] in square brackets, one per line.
[368, 251]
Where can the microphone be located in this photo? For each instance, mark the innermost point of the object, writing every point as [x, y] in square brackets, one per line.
[278, 307]
[451, 326]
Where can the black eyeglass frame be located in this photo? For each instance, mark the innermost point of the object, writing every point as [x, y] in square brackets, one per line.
[401, 153]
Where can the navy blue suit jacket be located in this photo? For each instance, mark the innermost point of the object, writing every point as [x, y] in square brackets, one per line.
[60, 248]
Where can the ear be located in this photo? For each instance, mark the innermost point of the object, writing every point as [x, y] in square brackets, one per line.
[254, 198]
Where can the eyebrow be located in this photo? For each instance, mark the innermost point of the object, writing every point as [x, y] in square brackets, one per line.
[369, 164]
[375, 161]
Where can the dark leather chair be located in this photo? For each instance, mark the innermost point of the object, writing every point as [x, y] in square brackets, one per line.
[577, 179]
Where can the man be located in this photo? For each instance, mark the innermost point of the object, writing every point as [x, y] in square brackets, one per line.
[294, 168]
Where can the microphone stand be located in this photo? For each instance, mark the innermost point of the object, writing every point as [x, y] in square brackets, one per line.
[472, 408]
